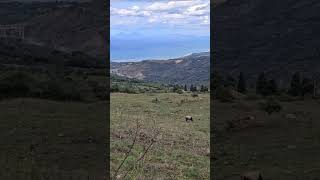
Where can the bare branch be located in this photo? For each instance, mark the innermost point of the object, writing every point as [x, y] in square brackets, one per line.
[130, 149]
[145, 152]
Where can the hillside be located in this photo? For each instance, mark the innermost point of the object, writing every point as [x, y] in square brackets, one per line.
[278, 37]
[80, 26]
[191, 69]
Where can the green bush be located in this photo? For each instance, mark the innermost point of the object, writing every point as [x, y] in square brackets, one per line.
[60, 90]
[17, 84]
[179, 91]
[224, 94]
[271, 105]
[194, 95]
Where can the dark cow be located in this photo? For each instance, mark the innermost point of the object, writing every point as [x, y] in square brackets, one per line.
[188, 118]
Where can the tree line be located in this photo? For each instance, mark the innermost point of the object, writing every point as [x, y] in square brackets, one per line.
[265, 86]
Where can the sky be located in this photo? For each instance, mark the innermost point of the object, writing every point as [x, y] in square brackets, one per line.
[158, 29]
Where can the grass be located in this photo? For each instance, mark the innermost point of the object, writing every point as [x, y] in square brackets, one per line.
[280, 147]
[65, 135]
[181, 150]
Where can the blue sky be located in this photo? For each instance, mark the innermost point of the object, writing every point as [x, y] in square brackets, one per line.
[149, 29]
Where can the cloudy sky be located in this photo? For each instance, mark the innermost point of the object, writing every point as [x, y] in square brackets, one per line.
[149, 29]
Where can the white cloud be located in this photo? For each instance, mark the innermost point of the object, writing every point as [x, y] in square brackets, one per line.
[166, 6]
[199, 10]
[173, 12]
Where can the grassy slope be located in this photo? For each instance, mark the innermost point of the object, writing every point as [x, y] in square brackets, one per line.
[182, 152]
[281, 148]
[59, 131]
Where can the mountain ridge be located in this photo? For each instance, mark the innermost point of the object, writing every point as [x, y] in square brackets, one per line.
[190, 69]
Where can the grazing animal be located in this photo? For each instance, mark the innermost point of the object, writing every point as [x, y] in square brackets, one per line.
[253, 175]
[189, 118]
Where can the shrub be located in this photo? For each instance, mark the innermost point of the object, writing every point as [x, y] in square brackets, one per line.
[271, 105]
[252, 97]
[194, 95]
[17, 84]
[179, 91]
[60, 90]
[99, 91]
[224, 94]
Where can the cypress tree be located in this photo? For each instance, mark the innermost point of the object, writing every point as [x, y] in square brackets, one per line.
[307, 86]
[242, 84]
[272, 87]
[295, 86]
[261, 84]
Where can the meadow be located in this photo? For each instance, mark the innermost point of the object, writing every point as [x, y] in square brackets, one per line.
[282, 145]
[166, 146]
[46, 135]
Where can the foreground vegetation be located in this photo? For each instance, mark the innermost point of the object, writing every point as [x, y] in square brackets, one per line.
[180, 150]
[53, 108]
[42, 134]
[281, 145]
[268, 129]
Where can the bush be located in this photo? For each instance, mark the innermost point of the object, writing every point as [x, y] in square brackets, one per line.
[252, 97]
[179, 91]
[99, 91]
[271, 105]
[17, 84]
[194, 95]
[60, 90]
[224, 94]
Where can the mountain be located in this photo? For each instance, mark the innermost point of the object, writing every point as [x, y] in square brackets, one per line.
[190, 69]
[16, 54]
[77, 27]
[278, 37]
[68, 26]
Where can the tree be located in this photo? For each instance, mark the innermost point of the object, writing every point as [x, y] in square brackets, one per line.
[295, 85]
[176, 88]
[204, 88]
[115, 88]
[230, 81]
[242, 84]
[271, 87]
[261, 84]
[194, 89]
[217, 80]
[307, 86]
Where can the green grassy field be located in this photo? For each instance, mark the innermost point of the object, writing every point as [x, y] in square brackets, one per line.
[282, 145]
[68, 136]
[181, 150]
